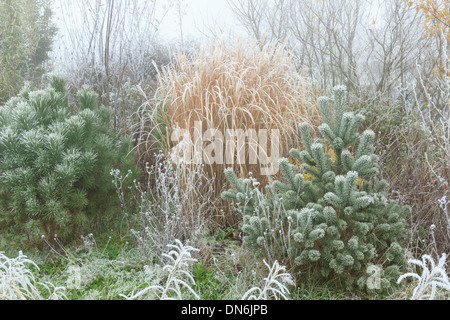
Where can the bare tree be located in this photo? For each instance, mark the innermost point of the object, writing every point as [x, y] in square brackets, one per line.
[108, 42]
[252, 15]
[394, 47]
[341, 42]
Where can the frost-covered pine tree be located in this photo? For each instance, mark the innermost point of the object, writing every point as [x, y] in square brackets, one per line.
[55, 161]
[330, 211]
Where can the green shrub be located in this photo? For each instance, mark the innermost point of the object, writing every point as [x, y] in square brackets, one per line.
[330, 214]
[55, 161]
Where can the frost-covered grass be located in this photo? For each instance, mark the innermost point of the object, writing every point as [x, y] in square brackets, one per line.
[17, 281]
[178, 275]
[172, 203]
[103, 273]
[213, 268]
[433, 278]
[275, 284]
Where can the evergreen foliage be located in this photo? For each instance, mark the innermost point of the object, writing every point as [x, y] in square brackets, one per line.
[335, 217]
[55, 161]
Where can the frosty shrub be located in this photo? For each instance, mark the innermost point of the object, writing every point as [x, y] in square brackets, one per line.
[174, 202]
[178, 275]
[329, 214]
[17, 282]
[275, 285]
[55, 160]
[434, 276]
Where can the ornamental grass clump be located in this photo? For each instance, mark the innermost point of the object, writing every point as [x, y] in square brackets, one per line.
[329, 214]
[55, 160]
[227, 88]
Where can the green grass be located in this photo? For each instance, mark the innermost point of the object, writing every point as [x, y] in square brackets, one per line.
[114, 267]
